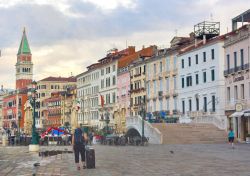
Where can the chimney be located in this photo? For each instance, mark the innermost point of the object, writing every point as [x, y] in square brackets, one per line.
[204, 39]
[195, 42]
[1, 87]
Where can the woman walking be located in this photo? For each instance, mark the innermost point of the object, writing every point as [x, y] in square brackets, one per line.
[79, 140]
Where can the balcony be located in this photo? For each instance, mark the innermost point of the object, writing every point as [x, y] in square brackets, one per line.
[230, 105]
[137, 90]
[236, 69]
[137, 75]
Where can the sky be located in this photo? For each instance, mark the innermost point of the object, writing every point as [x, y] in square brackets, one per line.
[65, 36]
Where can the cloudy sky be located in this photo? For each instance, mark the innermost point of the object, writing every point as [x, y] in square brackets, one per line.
[65, 36]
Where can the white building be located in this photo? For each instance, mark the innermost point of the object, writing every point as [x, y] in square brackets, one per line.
[201, 84]
[88, 84]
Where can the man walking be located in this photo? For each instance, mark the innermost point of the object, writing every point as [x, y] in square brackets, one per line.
[79, 139]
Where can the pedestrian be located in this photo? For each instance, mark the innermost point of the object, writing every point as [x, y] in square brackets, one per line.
[231, 137]
[79, 139]
[91, 138]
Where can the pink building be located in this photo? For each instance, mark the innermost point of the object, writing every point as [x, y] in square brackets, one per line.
[237, 77]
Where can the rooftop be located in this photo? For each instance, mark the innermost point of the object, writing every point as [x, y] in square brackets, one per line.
[24, 47]
[60, 79]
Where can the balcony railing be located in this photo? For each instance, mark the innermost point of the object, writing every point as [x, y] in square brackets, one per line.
[236, 69]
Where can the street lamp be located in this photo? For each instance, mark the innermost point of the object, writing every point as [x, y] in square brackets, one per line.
[107, 120]
[142, 113]
[34, 146]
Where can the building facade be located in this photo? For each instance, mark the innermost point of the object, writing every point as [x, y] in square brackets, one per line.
[237, 80]
[45, 88]
[88, 85]
[201, 81]
[161, 80]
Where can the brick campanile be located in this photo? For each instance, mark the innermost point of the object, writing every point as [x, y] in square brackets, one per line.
[24, 65]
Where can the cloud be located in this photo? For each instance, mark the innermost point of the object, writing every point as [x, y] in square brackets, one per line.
[67, 35]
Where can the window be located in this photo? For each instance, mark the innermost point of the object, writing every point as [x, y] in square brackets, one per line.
[160, 67]
[160, 84]
[148, 89]
[242, 58]
[154, 87]
[167, 84]
[235, 92]
[102, 72]
[107, 70]
[242, 91]
[204, 57]
[235, 60]
[228, 94]
[205, 104]
[167, 64]
[113, 68]
[196, 59]
[212, 75]
[189, 81]
[190, 104]
[175, 103]
[107, 82]
[52, 87]
[167, 102]
[228, 61]
[175, 62]
[114, 80]
[182, 82]
[197, 104]
[154, 68]
[113, 95]
[204, 77]
[175, 85]
[197, 79]
[182, 63]
[213, 103]
[183, 106]
[160, 105]
[212, 54]
[189, 61]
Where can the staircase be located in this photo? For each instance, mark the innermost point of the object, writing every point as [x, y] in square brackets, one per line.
[190, 133]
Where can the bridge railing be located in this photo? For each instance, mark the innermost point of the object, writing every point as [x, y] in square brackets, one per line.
[155, 136]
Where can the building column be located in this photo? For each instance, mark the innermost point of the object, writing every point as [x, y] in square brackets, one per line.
[248, 125]
[239, 128]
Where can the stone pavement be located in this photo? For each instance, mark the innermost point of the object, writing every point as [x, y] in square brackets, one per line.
[172, 160]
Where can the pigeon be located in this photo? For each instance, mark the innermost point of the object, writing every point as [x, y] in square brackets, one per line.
[171, 151]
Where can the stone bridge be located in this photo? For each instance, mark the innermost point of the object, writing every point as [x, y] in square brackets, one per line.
[134, 128]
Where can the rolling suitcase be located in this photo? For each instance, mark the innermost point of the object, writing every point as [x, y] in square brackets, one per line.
[90, 157]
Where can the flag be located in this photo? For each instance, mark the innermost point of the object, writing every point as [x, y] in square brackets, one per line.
[77, 105]
[102, 100]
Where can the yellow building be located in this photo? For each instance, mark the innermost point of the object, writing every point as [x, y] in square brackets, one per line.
[45, 88]
[161, 80]
[137, 85]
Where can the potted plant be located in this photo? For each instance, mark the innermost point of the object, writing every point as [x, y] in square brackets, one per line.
[248, 139]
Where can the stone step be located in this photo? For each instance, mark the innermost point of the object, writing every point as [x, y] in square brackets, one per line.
[191, 133]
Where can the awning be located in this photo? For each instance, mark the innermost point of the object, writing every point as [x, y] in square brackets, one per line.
[237, 114]
[245, 113]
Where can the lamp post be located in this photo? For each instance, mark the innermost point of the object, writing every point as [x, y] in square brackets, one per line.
[34, 146]
[142, 113]
[107, 120]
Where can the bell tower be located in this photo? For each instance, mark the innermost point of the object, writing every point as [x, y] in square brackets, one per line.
[24, 65]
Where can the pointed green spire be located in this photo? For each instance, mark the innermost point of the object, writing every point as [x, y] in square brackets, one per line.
[24, 45]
